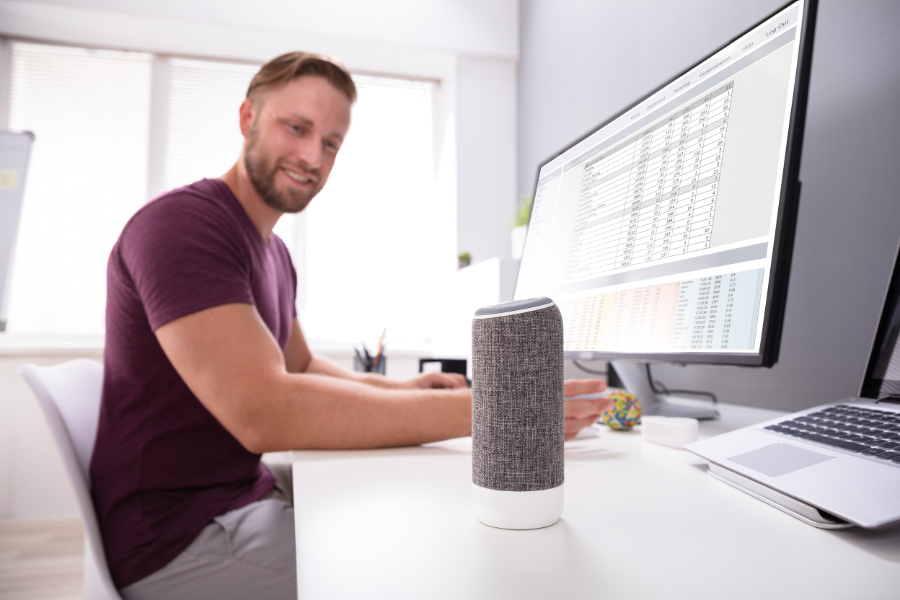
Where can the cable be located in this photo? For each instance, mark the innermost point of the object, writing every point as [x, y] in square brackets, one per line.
[664, 390]
[586, 370]
[661, 389]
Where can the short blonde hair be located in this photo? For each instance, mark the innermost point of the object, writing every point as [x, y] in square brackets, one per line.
[292, 65]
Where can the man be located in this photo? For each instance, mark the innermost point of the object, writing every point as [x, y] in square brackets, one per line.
[206, 366]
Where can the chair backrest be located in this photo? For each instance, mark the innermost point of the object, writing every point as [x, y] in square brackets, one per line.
[74, 388]
[69, 395]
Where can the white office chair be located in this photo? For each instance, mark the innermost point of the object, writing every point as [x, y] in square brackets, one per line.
[69, 395]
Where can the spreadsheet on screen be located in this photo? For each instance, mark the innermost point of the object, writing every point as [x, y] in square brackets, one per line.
[655, 233]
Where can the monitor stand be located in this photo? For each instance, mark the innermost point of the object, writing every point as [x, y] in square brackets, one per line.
[634, 378]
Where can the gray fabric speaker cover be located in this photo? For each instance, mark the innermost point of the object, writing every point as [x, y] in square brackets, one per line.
[518, 425]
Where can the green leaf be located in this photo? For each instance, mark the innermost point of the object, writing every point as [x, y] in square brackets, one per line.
[523, 212]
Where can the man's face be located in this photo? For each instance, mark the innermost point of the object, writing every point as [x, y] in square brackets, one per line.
[293, 139]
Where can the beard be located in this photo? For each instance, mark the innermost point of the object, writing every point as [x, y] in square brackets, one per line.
[262, 176]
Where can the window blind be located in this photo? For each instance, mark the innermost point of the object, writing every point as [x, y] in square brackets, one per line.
[89, 110]
[204, 136]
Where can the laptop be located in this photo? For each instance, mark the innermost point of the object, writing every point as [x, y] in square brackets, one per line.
[835, 465]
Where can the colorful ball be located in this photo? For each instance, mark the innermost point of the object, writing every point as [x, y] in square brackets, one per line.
[624, 413]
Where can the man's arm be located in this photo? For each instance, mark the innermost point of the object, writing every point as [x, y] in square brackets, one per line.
[299, 359]
[271, 401]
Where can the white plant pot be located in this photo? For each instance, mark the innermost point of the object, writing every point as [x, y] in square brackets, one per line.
[518, 241]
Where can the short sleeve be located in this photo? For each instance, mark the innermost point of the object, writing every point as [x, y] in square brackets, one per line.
[184, 255]
[288, 267]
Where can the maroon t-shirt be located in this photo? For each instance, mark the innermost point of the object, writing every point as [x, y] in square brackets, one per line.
[163, 466]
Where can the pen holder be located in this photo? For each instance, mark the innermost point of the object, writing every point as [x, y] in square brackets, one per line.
[367, 365]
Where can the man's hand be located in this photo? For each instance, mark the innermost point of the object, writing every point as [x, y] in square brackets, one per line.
[583, 413]
[436, 381]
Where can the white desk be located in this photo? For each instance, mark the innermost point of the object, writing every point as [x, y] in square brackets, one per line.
[640, 521]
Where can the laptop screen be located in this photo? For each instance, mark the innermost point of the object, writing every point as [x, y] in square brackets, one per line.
[883, 373]
[890, 385]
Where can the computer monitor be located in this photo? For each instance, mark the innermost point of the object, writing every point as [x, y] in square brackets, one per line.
[665, 234]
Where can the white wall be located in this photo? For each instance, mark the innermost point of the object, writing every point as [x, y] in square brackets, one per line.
[470, 46]
[486, 156]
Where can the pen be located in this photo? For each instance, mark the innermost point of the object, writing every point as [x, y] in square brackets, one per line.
[380, 349]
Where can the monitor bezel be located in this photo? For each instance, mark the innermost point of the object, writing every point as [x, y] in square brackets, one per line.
[782, 247]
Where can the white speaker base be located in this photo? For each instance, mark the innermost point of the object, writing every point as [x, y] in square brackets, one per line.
[517, 510]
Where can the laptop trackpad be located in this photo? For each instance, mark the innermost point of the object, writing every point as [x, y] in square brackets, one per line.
[779, 459]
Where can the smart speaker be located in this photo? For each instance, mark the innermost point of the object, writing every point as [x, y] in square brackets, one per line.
[518, 423]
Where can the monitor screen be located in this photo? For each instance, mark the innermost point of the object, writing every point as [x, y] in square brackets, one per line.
[658, 234]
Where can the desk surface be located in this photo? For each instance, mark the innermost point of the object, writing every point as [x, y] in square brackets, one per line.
[640, 521]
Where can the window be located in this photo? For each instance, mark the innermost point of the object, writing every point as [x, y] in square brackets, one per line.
[371, 251]
[89, 110]
[380, 239]
[203, 138]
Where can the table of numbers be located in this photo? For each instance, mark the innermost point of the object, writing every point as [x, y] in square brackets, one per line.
[717, 312]
[653, 195]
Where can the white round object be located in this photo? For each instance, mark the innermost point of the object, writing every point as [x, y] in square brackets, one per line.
[669, 431]
[517, 510]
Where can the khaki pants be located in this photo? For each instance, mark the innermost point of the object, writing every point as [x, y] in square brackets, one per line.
[245, 553]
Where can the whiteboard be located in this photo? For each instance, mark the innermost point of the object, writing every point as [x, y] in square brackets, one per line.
[15, 151]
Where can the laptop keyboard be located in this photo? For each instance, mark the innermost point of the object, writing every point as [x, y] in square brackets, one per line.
[865, 431]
